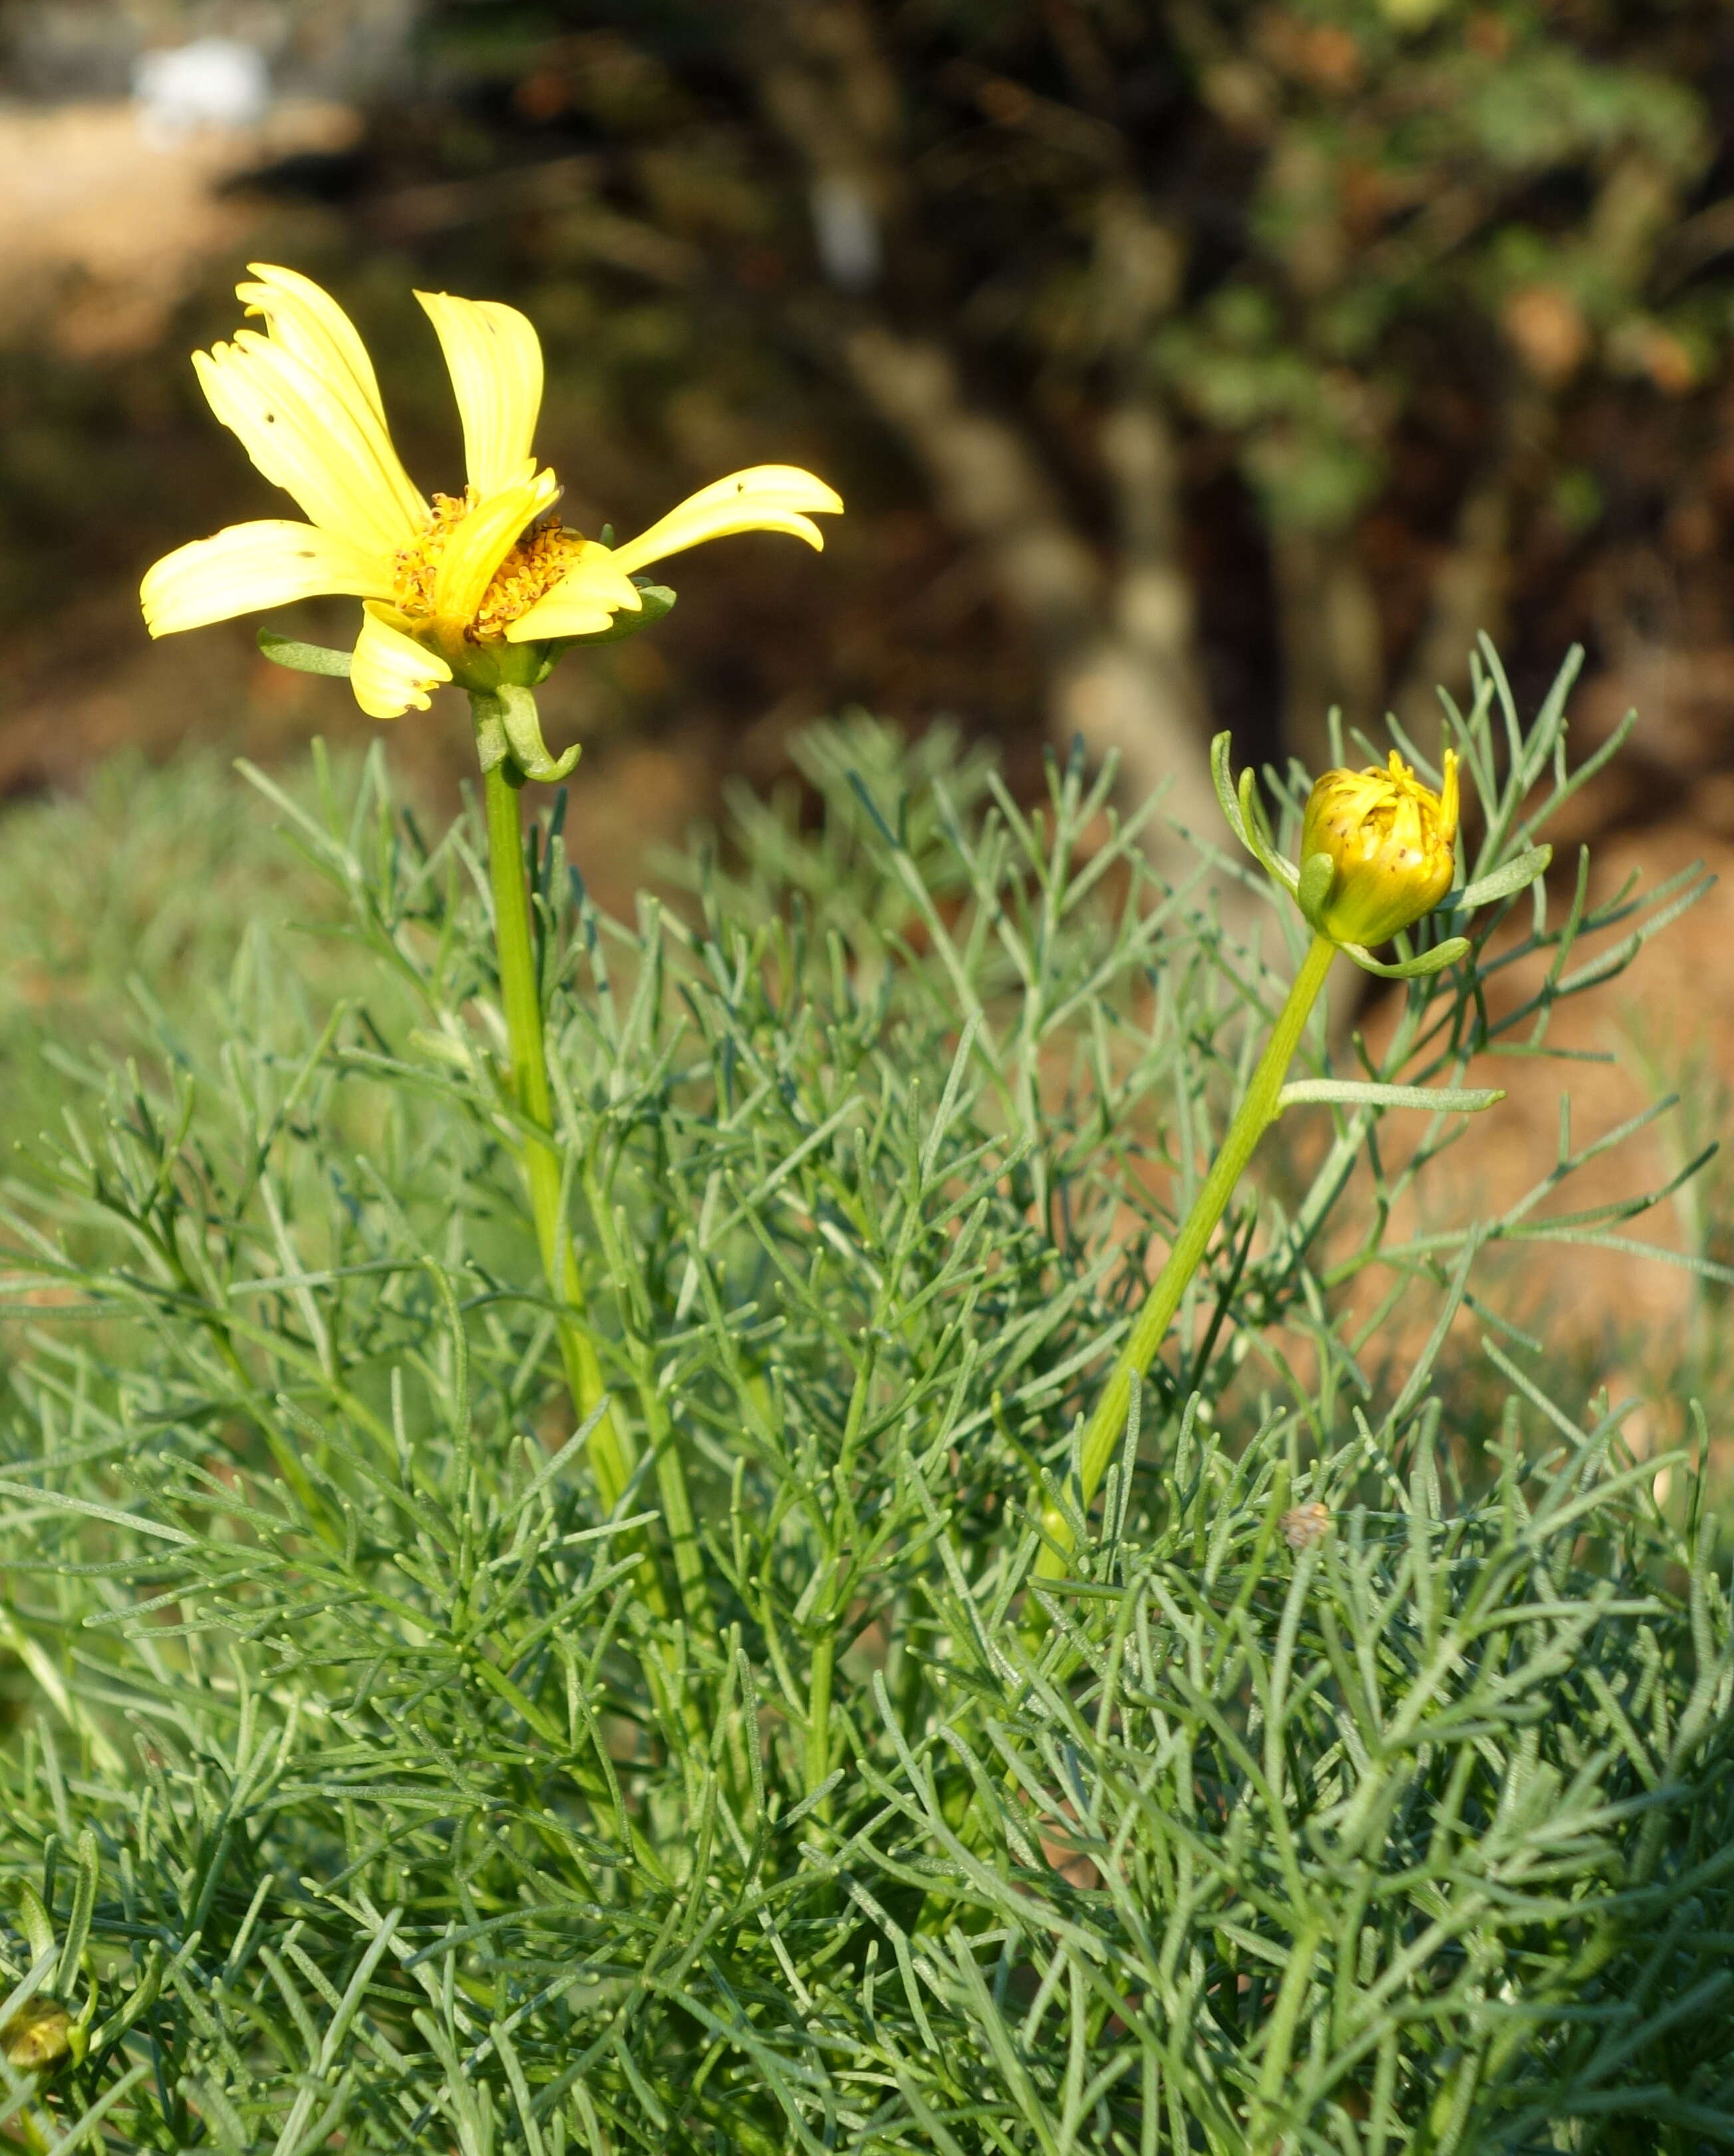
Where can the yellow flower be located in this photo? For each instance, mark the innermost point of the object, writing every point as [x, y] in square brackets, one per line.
[472, 588]
[1390, 842]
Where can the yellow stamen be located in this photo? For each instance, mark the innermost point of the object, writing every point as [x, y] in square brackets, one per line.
[534, 566]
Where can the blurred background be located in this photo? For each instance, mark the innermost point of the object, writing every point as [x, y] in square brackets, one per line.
[1184, 364]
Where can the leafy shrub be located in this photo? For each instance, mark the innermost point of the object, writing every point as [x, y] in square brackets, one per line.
[1365, 1788]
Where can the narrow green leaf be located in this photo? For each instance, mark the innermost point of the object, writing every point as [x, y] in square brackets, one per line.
[1257, 839]
[303, 657]
[1500, 882]
[1222, 777]
[440, 1048]
[34, 1922]
[1244, 814]
[1352, 1092]
[77, 1924]
[107, 1513]
[86, 2124]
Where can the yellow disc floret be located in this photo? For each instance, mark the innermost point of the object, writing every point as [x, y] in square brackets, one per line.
[1391, 841]
[538, 561]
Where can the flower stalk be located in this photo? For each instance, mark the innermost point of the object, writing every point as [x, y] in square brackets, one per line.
[1259, 1107]
[613, 1457]
[610, 1448]
[1378, 855]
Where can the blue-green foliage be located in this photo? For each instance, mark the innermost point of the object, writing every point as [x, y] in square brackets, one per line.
[1367, 1789]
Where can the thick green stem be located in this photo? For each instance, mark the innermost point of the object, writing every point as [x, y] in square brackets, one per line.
[611, 1459]
[1257, 1111]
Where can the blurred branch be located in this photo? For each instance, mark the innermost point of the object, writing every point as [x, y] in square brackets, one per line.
[1695, 243]
[567, 184]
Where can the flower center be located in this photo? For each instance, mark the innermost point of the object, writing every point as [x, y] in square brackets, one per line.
[535, 564]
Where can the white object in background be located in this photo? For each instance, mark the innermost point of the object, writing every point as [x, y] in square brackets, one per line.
[214, 82]
[846, 233]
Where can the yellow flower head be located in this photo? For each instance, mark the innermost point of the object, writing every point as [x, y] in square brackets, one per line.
[471, 587]
[1390, 841]
[39, 2036]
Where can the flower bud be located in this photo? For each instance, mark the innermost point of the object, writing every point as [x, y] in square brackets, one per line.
[37, 2037]
[1390, 841]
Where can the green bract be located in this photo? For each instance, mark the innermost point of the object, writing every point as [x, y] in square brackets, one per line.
[508, 727]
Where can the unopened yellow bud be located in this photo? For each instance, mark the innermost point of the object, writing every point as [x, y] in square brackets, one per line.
[1391, 844]
[37, 2036]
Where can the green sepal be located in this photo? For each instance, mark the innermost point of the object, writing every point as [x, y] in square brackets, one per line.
[655, 601]
[1408, 970]
[1223, 778]
[1354, 1092]
[512, 709]
[1312, 887]
[1245, 813]
[1501, 882]
[303, 657]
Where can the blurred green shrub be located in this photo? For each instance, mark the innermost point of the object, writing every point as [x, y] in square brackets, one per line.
[124, 907]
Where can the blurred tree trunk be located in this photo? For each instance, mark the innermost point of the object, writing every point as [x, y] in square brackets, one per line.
[1118, 641]
[1332, 640]
[1329, 623]
[1115, 622]
[1469, 598]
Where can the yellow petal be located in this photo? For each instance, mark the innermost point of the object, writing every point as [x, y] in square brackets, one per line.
[307, 321]
[495, 362]
[250, 566]
[308, 438]
[308, 324]
[585, 600]
[767, 498]
[480, 541]
[1449, 806]
[390, 670]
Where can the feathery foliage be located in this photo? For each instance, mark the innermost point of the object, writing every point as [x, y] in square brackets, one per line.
[1366, 1788]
